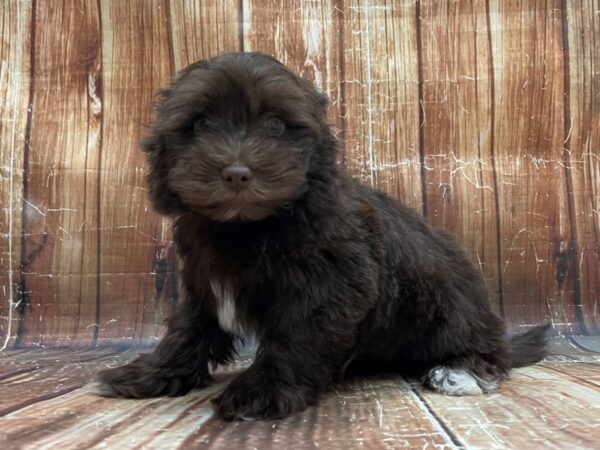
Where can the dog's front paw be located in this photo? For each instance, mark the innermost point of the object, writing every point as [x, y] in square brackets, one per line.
[143, 379]
[247, 400]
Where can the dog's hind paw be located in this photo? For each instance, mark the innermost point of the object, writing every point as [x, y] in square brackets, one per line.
[451, 381]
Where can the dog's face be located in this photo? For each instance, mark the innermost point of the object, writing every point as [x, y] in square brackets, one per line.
[234, 139]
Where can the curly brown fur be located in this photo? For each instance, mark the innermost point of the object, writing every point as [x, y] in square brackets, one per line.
[329, 275]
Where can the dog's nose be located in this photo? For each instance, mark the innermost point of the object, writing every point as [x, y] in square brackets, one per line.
[236, 176]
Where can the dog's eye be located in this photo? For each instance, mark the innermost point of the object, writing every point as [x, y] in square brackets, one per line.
[201, 124]
[275, 125]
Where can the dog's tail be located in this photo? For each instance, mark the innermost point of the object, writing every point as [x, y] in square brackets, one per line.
[529, 347]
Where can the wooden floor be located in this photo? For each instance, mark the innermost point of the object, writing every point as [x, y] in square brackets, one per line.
[45, 403]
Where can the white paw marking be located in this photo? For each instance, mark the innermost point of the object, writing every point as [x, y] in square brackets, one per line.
[448, 381]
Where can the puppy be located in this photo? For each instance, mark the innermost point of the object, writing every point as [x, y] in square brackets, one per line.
[277, 243]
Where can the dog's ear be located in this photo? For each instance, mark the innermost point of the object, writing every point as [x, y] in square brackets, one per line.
[164, 200]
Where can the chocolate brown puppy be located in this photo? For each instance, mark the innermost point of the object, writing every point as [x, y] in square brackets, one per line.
[276, 242]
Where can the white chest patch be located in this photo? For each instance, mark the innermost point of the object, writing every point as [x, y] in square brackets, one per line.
[226, 311]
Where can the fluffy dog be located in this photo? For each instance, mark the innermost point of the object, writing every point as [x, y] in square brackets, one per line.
[276, 242]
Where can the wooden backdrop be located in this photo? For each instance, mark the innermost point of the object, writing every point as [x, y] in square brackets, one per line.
[484, 115]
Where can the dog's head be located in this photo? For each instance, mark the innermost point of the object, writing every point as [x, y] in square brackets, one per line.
[237, 138]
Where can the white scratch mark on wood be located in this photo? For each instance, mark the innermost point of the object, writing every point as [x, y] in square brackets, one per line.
[379, 413]
[538, 261]
[570, 130]
[493, 438]
[479, 261]
[512, 246]
[35, 207]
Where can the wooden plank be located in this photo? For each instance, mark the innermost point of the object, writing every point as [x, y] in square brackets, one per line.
[523, 57]
[34, 360]
[358, 133]
[11, 353]
[82, 420]
[549, 406]
[456, 87]
[135, 243]
[60, 264]
[355, 413]
[580, 371]
[25, 428]
[306, 40]
[381, 97]
[581, 22]
[393, 102]
[537, 408]
[15, 83]
[527, 128]
[28, 361]
[52, 380]
[201, 30]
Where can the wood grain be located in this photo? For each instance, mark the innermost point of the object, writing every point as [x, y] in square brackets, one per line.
[60, 206]
[15, 83]
[360, 413]
[304, 36]
[537, 408]
[201, 30]
[582, 152]
[552, 405]
[482, 114]
[381, 413]
[382, 112]
[392, 92]
[528, 104]
[48, 380]
[134, 241]
[584, 372]
[457, 146]
[358, 129]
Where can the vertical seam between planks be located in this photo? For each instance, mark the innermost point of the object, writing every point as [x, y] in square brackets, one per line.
[22, 303]
[16, 86]
[16, 81]
[567, 123]
[493, 156]
[99, 190]
[369, 96]
[88, 99]
[421, 109]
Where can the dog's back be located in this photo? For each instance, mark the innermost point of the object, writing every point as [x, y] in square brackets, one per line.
[433, 307]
